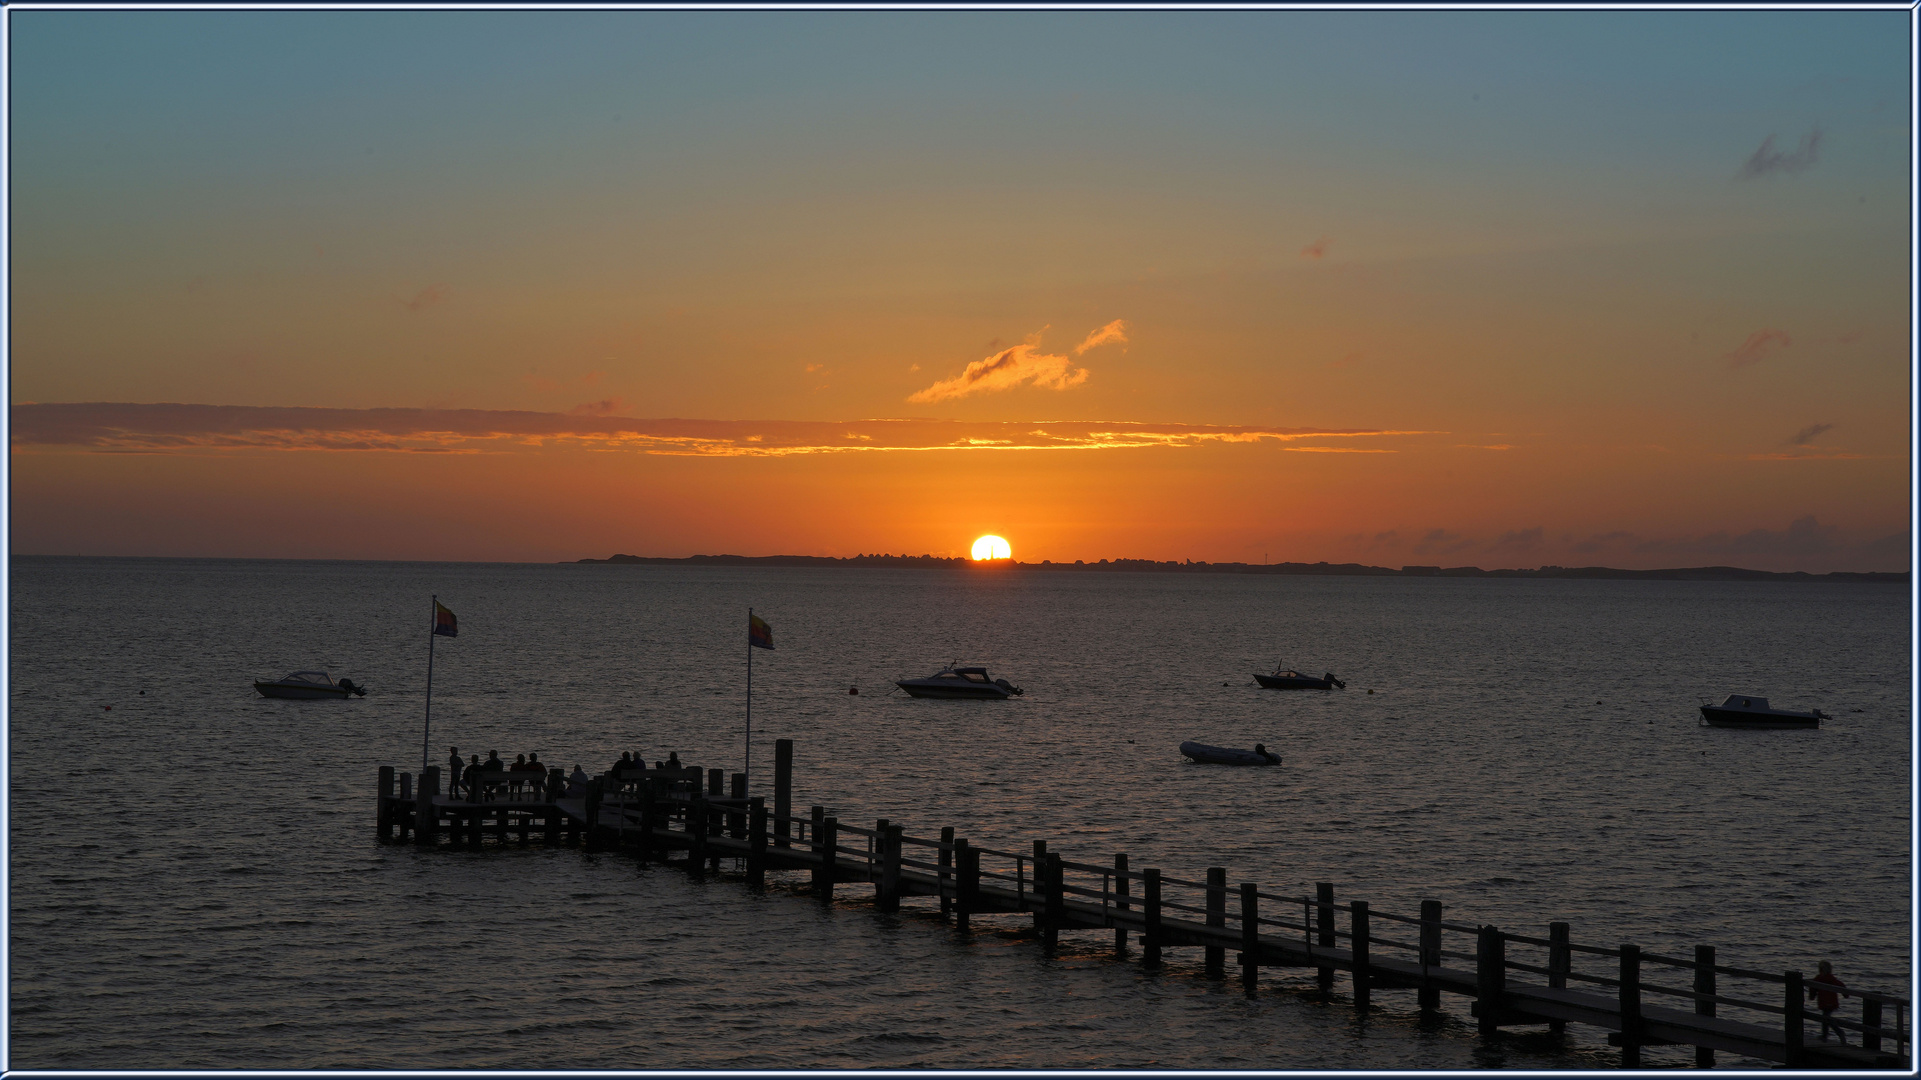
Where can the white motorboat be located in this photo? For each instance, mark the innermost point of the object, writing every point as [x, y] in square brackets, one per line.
[309, 685]
[1745, 711]
[960, 682]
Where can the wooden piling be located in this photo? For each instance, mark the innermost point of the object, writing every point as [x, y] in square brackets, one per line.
[1490, 976]
[890, 845]
[756, 843]
[384, 815]
[426, 817]
[1216, 955]
[967, 883]
[1871, 1022]
[1632, 1035]
[1791, 1032]
[697, 832]
[824, 846]
[1053, 873]
[1324, 926]
[944, 875]
[1704, 983]
[737, 821]
[591, 811]
[1151, 922]
[1428, 997]
[1120, 904]
[783, 789]
[1250, 938]
[1039, 898]
[1358, 931]
[711, 820]
[1560, 961]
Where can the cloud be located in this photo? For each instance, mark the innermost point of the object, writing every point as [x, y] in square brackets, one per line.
[1441, 542]
[1520, 540]
[425, 298]
[811, 368]
[1750, 351]
[1316, 249]
[1114, 331]
[1004, 370]
[1767, 160]
[1808, 434]
[605, 407]
[204, 429]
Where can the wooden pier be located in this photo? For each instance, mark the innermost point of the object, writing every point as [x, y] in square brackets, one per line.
[1640, 998]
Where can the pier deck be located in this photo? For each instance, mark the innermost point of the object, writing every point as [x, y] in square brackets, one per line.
[662, 811]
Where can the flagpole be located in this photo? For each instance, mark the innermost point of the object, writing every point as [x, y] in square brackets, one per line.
[426, 728]
[747, 766]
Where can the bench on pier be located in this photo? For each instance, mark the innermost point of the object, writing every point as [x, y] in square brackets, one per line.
[488, 785]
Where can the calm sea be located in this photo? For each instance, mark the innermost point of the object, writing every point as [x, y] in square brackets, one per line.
[195, 880]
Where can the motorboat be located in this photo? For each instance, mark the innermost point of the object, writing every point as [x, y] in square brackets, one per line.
[1289, 679]
[1742, 711]
[309, 684]
[1221, 755]
[959, 682]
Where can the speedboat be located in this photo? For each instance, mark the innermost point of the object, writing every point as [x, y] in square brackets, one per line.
[309, 684]
[959, 682]
[1221, 755]
[1289, 679]
[1752, 712]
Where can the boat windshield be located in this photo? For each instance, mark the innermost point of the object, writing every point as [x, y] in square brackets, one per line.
[309, 676]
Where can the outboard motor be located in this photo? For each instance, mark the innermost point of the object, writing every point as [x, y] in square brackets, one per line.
[1008, 686]
[348, 685]
[1329, 676]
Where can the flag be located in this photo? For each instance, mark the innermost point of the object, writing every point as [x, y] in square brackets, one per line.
[759, 634]
[444, 621]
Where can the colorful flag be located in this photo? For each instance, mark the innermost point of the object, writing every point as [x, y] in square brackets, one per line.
[759, 634]
[444, 621]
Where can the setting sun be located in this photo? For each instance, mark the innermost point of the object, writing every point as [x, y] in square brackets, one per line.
[992, 547]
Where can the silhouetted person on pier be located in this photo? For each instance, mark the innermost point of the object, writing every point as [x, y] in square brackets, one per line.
[622, 765]
[1827, 1001]
[455, 767]
[673, 760]
[520, 764]
[493, 763]
[471, 779]
[534, 765]
[577, 783]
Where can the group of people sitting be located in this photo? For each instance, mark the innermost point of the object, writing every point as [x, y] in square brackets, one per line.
[467, 775]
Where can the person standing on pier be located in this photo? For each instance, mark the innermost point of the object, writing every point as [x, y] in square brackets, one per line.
[1827, 1001]
[622, 765]
[455, 767]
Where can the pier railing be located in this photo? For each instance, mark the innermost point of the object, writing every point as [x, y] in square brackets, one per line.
[1642, 998]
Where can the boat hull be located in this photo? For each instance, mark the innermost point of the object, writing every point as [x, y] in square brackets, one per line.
[1222, 755]
[306, 692]
[1286, 682]
[1715, 716]
[918, 688]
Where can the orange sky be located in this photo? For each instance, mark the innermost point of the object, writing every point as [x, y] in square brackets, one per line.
[1455, 288]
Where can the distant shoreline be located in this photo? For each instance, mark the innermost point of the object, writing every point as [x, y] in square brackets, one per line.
[1295, 569]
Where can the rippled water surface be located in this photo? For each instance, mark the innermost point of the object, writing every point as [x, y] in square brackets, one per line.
[196, 881]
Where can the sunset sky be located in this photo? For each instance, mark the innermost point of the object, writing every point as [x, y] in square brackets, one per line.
[1460, 288]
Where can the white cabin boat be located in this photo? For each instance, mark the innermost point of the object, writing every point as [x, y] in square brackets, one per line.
[1747, 711]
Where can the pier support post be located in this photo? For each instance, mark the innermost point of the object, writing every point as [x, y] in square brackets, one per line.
[1151, 923]
[890, 845]
[1358, 934]
[756, 843]
[1120, 905]
[1250, 938]
[1490, 977]
[697, 832]
[824, 844]
[1216, 955]
[783, 789]
[1428, 997]
[710, 824]
[1794, 1038]
[1871, 1024]
[473, 824]
[1039, 899]
[1560, 961]
[1631, 1034]
[736, 820]
[944, 877]
[384, 816]
[590, 806]
[1324, 927]
[426, 817]
[1704, 983]
[967, 883]
[1053, 873]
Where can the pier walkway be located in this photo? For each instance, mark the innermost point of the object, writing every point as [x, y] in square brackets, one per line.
[1513, 979]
